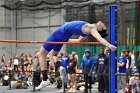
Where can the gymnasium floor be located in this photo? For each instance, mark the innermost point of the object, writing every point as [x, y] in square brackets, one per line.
[48, 89]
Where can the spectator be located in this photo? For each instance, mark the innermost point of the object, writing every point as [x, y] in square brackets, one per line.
[132, 80]
[48, 62]
[3, 60]
[128, 56]
[16, 60]
[60, 57]
[128, 65]
[95, 58]
[63, 75]
[102, 68]
[28, 69]
[132, 59]
[26, 62]
[29, 57]
[10, 64]
[138, 62]
[76, 56]
[18, 85]
[57, 75]
[78, 70]
[127, 88]
[106, 51]
[87, 68]
[51, 63]
[136, 85]
[65, 60]
[72, 72]
[5, 80]
[36, 69]
[121, 64]
[106, 78]
[22, 61]
[20, 74]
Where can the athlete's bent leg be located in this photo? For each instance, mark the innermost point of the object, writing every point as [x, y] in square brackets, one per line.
[54, 55]
[42, 58]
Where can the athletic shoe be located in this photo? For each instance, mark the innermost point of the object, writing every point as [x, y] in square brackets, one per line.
[73, 90]
[82, 88]
[62, 90]
[43, 84]
[70, 90]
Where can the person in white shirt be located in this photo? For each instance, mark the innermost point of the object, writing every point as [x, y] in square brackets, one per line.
[132, 59]
[63, 76]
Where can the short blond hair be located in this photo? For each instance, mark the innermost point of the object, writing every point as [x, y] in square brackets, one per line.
[73, 53]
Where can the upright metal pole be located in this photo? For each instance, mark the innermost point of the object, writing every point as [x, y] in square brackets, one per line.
[113, 41]
[13, 31]
[34, 81]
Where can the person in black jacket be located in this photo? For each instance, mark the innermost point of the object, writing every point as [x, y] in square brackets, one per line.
[22, 61]
[128, 65]
[138, 62]
[100, 69]
[36, 69]
[106, 77]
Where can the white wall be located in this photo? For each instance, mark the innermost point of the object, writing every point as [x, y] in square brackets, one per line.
[36, 26]
[5, 31]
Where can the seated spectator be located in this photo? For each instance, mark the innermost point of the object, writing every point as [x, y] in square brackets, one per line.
[127, 88]
[136, 85]
[132, 80]
[18, 85]
[5, 81]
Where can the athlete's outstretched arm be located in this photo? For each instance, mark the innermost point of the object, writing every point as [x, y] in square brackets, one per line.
[80, 39]
[95, 33]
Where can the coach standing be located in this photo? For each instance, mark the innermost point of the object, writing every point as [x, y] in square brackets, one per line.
[100, 69]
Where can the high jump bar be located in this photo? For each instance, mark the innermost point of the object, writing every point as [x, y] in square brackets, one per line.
[40, 42]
